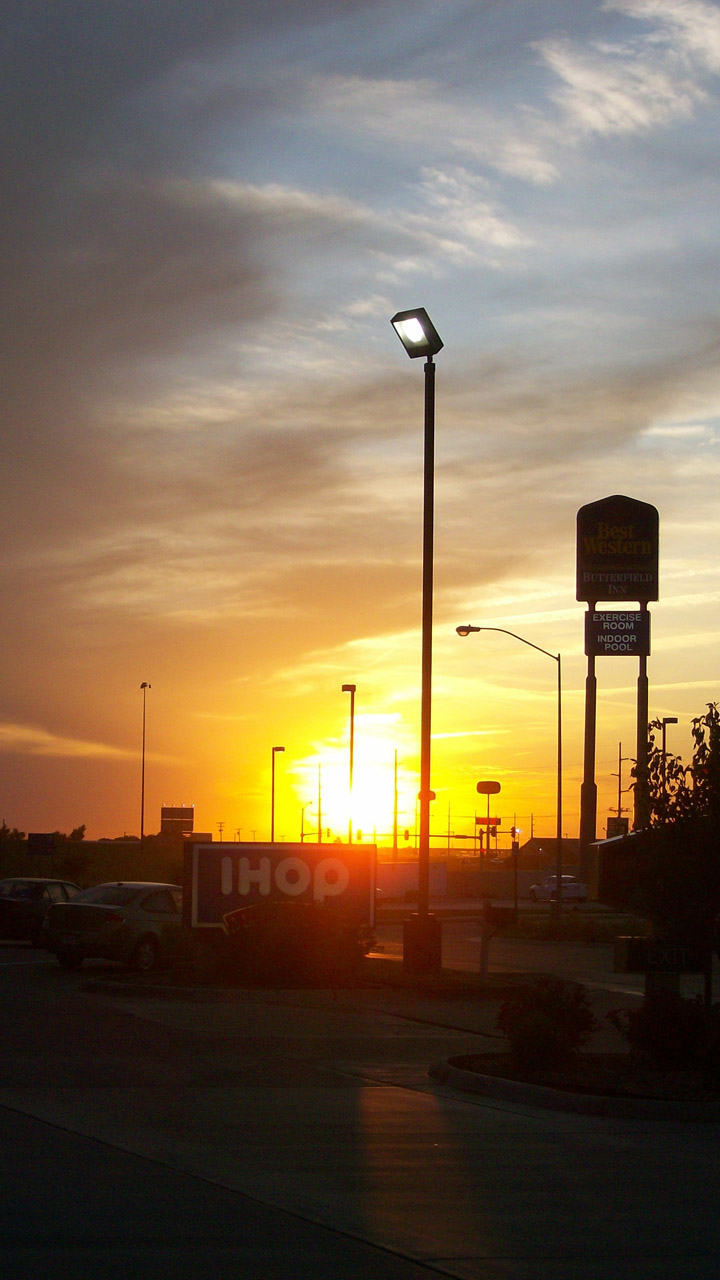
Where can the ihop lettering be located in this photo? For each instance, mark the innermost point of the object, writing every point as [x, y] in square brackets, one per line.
[291, 877]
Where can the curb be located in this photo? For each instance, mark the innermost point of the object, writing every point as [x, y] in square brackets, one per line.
[609, 1107]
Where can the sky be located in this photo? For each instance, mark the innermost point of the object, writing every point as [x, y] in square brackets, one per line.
[212, 454]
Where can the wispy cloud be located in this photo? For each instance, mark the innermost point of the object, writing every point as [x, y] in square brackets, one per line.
[615, 90]
[33, 741]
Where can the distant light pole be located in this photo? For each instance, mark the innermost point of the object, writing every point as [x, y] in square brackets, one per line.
[665, 721]
[319, 805]
[272, 796]
[422, 939]
[465, 631]
[144, 686]
[302, 820]
[350, 688]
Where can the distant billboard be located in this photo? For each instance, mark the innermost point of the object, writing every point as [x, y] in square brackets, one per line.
[221, 878]
[617, 550]
[177, 819]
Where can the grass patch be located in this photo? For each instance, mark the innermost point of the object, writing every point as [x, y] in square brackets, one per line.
[573, 926]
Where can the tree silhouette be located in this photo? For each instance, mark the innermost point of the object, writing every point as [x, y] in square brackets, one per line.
[679, 792]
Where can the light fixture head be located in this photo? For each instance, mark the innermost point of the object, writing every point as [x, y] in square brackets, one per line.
[145, 685]
[466, 630]
[417, 333]
[349, 688]
[278, 749]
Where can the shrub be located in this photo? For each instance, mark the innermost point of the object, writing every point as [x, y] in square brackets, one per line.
[670, 1031]
[286, 944]
[546, 1022]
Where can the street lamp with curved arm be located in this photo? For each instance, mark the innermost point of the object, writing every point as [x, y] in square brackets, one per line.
[556, 657]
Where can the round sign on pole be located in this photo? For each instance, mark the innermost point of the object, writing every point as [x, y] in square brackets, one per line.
[487, 788]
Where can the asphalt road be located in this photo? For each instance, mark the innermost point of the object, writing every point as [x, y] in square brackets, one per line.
[297, 1134]
[590, 964]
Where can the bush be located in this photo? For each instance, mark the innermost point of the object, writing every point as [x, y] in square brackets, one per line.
[546, 1022]
[287, 944]
[670, 1031]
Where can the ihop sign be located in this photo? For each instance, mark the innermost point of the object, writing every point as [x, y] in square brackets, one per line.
[224, 877]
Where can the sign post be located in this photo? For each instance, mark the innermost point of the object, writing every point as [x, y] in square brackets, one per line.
[617, 561]
[487, 789]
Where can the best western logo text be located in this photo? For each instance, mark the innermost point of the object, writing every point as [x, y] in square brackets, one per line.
[617, 540]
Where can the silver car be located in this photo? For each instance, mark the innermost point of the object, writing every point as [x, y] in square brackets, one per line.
[572, 890]
[135, 922]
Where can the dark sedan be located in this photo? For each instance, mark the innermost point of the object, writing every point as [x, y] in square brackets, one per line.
[24, 903]
[137, 923]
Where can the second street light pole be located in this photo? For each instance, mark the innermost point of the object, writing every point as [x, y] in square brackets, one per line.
[556, 657]
[666, 720]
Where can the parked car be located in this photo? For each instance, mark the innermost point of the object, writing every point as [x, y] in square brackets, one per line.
[25, 901]
[137, 923]
[572, 890]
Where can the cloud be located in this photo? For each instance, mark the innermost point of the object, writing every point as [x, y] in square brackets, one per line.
[463, 219]
[688, 27]
[646, 81]
[26, 740]
[610, 90]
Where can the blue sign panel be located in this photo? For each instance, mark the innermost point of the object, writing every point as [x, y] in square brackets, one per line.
[221, 878]
[617, 632]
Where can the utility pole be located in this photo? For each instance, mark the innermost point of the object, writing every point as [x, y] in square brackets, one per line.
[621, 759]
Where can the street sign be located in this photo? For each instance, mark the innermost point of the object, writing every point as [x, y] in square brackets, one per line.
[488, 822]
[487, 788]
[626, 632]
[617, 550]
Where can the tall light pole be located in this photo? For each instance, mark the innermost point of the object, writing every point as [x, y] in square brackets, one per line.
[144, 686]
[350, 688]
[422, 946]
[272, 795]
[465, 631]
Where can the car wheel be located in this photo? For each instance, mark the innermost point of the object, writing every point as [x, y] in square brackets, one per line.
[69, 959]
[145, 956]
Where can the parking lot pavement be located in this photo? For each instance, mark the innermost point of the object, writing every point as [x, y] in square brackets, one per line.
[317, 1107]
[329, 1118]
[80, 1209]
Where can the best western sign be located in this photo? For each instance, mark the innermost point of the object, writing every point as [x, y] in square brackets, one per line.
[617, 550]
[220, 878]
[625, 632]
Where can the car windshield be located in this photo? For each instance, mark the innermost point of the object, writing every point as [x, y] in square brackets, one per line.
[108, 895]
